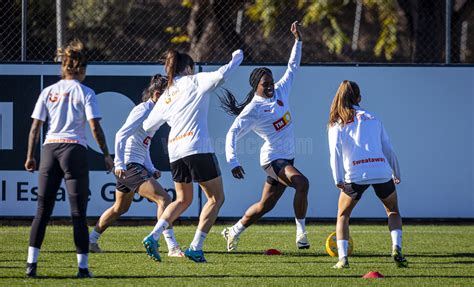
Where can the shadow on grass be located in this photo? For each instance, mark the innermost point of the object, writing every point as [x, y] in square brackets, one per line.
[339, 276]
[424, 255]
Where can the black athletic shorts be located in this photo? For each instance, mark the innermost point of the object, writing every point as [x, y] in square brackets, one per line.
[382, 190]
[196, 167]
[273, 169]
[135, 175]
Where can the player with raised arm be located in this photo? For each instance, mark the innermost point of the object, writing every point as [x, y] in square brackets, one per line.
[184, 106]
[266, 111]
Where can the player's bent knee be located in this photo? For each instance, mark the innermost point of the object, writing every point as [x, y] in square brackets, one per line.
[301, 183]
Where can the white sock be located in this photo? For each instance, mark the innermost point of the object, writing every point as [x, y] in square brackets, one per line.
[82, 261]
[33, 254]
[300, 225]
[198, 240]
[94, 236]
[168, 234]
[342, 248]
[237, 228]
[160, 226]
[396, 237]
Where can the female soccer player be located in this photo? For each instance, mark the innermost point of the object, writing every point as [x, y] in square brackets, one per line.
[67, 105]
[361, 155]
[184, 106]
[135, 171]
[266, 111]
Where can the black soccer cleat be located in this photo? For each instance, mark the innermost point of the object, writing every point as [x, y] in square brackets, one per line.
[84, 273]
[31, 270]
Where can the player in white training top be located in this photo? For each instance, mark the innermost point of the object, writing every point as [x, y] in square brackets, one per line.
[67, 105]
[266, 111]
[361, 155]
[184, 106]
[135, 171]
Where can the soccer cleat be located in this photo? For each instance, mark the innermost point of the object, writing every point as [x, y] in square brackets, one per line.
[84, 273]
[175, 252]
[398, 257]
[31, 270]
[151, 246]
[302, 241]
[195, 255]
[94, 248]
[232, 241]
[342, 263]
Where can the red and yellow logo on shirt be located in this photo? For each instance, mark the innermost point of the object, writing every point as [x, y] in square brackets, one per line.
[54, 97]
[283, 121]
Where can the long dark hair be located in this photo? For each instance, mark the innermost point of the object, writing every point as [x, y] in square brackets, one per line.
[228, 102]
[158, 83]
[176, 63]
[342, 110]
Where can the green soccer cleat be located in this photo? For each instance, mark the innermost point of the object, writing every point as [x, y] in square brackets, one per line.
[151, 246]
[342, 263]
[398, 257]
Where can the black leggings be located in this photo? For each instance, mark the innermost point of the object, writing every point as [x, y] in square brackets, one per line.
[58, 161]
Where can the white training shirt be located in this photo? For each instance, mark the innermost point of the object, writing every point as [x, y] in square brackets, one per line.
[132, 144]
[184, 106]
[67, 105]
[360, 152]
[269, 118]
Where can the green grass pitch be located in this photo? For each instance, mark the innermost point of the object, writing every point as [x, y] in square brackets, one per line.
[439, 255]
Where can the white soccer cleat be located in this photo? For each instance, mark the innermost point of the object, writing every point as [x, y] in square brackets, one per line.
[94, 248]
[175, 252]
[342, 263]
[232, 241]
[302, 241]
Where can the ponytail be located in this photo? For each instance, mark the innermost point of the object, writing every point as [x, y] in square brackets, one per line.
[342, 110]
[228, 101]
[176, 63]
[73, 58]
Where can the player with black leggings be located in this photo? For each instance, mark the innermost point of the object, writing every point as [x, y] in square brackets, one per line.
[67, 105]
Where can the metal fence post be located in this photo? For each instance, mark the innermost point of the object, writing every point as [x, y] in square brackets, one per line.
[59, 24]
[449, 8]
[24, 18]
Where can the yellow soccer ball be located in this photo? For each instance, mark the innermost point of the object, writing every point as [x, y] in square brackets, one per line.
[331, 245]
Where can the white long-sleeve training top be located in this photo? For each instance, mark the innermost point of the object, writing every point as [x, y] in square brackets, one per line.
[132, 143]
[184, 106]
[67, 105]
[269, 118]
[361, 152]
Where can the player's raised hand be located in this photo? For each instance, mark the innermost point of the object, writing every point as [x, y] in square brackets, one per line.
[295, 29]
[238, 172]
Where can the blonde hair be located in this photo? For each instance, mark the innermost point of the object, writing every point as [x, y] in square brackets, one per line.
[73, 58]
[342, 111]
